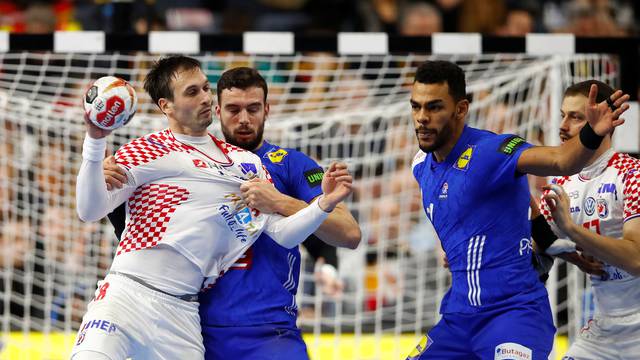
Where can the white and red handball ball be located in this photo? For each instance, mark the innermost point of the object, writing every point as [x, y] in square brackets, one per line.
[110, 102]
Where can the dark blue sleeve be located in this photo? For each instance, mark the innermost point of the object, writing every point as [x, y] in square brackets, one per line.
[305, 176]
[502, 153]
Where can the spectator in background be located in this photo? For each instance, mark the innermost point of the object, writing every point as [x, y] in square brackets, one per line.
[40, 19]
[593, 18]
[419, 19]
[520, 19]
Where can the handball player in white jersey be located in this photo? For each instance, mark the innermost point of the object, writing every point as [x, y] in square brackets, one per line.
[186, 222]
[598, 211]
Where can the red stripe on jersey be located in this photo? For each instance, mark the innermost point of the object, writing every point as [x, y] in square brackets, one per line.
[150, 207]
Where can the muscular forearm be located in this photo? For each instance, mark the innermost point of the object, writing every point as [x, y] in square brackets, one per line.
[339, 229]
[622, 253]
[566, 159]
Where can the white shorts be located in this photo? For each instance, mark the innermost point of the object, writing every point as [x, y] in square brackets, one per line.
[608, 337]
[127, 319]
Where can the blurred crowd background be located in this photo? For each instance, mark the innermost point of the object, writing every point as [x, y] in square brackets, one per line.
[402, 17]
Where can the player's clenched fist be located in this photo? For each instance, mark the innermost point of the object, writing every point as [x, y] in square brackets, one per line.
[262, 195]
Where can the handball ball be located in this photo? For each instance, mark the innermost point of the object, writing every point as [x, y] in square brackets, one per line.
[110, 102]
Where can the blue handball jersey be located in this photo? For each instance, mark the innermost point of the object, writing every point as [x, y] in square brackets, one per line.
[478, 203]
[261, 287]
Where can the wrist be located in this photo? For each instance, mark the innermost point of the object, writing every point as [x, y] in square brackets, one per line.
[94, 149]
[589, 138]
[324, 204]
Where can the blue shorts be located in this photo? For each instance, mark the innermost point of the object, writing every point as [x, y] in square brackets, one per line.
[517, 332]
[263, 342]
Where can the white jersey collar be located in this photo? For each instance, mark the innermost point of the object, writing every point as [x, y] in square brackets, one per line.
[597, 167]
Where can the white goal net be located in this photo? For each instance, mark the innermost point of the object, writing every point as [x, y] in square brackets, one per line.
[354, 108]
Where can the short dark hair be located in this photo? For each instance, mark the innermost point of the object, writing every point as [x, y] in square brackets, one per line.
[158, 81]
[436, 72]
[583, 87]
[242, 78]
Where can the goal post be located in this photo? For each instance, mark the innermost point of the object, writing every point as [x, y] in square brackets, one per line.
[326, 100]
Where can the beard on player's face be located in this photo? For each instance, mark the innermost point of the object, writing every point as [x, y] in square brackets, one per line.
[440, 136]
[244, 136]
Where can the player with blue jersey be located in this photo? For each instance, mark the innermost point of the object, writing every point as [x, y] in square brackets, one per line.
[250, 312]
[475, 193]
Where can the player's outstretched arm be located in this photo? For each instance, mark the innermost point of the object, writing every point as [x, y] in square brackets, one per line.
[623, 253]
[339, 229]
[292, 230]
[93, 200]
[573, 155]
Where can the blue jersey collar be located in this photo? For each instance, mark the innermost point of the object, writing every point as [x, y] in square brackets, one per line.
[458, 148]
[263, 149]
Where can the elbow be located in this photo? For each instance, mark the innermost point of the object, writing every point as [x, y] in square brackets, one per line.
[353, 238]
[85, 216]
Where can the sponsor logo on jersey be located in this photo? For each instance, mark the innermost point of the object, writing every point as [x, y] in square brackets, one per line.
[422, 346]
[444, 191]
[232, 223]
[607, 188]
[589, 205]
[464, 159]
[574, 209]
[511, 144]
[101, 325]
[249, 169]
[244, 216]
[525, 247]
[199, 163]
[277, 156]
[512, 351]
[603, 208]
[574, 194]
[314, 177]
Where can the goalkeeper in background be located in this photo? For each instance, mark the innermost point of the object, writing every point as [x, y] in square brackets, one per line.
[251, 310]
[475, 192]
[602, 217]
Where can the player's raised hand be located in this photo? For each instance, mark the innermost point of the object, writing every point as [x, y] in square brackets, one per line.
[114, 175]
[337, 184]
[605, 116]
[558, 202]
[94, 131]
[260, 194]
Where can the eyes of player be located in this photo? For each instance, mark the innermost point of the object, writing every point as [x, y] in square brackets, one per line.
[435, 107]
[193, 90]
[572, 116]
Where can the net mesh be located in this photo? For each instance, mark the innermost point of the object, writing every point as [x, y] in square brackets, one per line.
[353, 108]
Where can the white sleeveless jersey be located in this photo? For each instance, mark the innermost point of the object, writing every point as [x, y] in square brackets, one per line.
[603, 197]
[183, 196]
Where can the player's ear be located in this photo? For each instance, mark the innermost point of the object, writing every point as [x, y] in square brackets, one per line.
[164, 104]
[462, 108]
[266, 110]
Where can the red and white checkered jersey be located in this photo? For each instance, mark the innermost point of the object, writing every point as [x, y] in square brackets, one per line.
[603, 197]
[189, 201]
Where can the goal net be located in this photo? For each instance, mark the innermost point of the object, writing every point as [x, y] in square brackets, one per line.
[331, 107]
